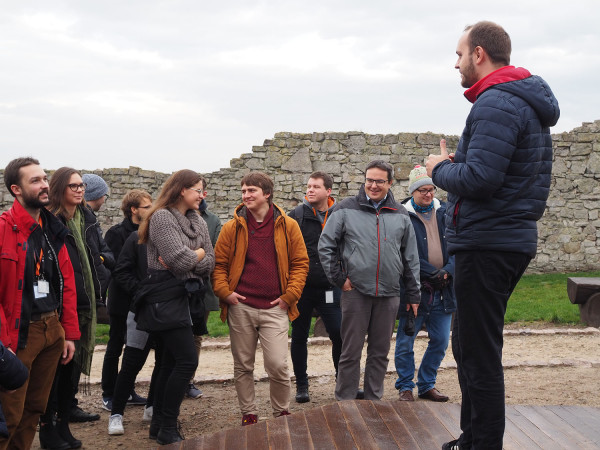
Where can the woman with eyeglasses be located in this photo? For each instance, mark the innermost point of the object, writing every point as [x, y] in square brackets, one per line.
[67, 203]
[180, 258]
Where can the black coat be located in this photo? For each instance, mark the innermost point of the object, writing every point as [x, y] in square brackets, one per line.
[104, 260]
[116, 236]
[132, 267]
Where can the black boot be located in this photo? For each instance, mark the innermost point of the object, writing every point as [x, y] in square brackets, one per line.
[169, 435]
[62, 424]
[49, 437]
[155, 424]
[302, 394]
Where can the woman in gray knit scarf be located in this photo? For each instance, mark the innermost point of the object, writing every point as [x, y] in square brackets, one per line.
[178, 241]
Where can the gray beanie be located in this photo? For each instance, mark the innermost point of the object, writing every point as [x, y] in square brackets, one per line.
[95, 188]
[418, 177]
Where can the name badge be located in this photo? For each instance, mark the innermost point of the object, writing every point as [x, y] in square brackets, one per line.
[328, 296]
[41, 288]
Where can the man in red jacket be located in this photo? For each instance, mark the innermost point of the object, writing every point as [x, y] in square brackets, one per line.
[38, 317]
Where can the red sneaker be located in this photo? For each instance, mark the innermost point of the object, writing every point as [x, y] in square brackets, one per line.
[249, 419]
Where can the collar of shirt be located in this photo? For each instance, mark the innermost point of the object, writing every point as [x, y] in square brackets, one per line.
[376, 204]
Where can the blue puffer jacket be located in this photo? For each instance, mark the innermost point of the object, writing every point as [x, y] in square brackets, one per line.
[427, 270]
[500, 179]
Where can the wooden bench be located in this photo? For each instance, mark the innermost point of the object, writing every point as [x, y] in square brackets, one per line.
[585, 292]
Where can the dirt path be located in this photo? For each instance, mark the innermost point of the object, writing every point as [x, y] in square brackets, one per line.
[542, 367]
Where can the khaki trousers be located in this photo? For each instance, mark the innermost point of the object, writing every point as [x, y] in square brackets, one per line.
[23, 407]
[246, 326]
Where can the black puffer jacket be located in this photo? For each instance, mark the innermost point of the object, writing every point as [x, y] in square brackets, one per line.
[132, 267]
[500, 179]
[104, 260]
[116, 236]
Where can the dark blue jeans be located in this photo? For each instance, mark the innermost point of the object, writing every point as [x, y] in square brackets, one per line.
[332, 318]
[438, 330]
[483, 282]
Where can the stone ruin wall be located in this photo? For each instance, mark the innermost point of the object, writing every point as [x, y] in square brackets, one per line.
[569, 232]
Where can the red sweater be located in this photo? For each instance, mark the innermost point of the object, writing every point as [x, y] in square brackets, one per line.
[260, 279]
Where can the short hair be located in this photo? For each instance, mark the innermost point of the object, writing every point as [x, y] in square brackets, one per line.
[133, 199]
[204, 183]
[327, 179]
[261, 180]
[493, 39]
[12, 172]
[383, 165]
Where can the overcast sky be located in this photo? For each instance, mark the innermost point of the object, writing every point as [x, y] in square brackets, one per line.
[171, 84]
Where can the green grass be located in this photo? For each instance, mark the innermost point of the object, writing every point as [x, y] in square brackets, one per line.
[543, 298]
[537, 298]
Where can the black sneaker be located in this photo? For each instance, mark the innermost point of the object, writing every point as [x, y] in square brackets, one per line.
[79, 415]
[302, 394]
[107, 403]
[137, 400]
[360, 394]
[452, 445]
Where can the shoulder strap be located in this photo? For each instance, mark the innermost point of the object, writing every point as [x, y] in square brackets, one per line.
[299, 214]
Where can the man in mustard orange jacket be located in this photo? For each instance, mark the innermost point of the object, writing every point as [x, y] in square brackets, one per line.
[260, 271]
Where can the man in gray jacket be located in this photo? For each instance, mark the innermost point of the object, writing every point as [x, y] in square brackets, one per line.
[372, 237]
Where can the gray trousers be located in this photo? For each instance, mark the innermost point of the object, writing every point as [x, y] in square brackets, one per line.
[362, 315]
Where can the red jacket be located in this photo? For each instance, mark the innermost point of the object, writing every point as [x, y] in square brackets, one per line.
[16, 228]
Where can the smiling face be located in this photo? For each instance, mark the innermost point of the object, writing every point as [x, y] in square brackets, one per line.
[32, 190]
[193, 196]
[464, 63]
[317, 194]
[254, 198]
[377, 184]
[73, 198]
[424, 195]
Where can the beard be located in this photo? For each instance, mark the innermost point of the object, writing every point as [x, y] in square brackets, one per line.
[33, 201]
[468, 75]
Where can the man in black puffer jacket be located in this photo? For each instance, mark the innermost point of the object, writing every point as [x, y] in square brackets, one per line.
[498, 183]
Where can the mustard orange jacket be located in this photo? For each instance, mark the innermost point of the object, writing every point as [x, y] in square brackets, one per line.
[230, 255]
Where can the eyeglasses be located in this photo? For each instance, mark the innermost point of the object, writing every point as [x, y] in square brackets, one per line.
[199, 191]
[371, 181]
[427, 191]
[77, 187]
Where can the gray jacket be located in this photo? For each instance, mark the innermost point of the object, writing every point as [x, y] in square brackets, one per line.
[375, 248]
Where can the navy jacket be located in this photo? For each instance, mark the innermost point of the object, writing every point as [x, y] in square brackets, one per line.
[500, 179]
[448, 297]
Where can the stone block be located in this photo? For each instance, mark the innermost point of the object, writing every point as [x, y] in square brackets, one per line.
[580, 149]
[299, 162]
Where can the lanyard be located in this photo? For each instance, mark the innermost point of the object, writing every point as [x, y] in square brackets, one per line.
[39, 260]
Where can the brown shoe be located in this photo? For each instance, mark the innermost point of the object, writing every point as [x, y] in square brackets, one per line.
[406, 396]
[434, 395]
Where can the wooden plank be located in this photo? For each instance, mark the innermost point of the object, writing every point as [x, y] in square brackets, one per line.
[529, 428]
[396, 425]
[579, 289]
[299, 432]
[438, 411]
[429, 419]
[338, 427]
[235, 438]
[319, 432]
[447, 418]
[356, 425]
[415, 427]
[586, 420]
[519, 438]
[256, 436]
[575, 437]
[278, 434]
[535, 415]
[376, 425]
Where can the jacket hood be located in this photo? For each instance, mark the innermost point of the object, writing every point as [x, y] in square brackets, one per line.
[518, 81]
[242, 212]
[330, 204]
[203, 206]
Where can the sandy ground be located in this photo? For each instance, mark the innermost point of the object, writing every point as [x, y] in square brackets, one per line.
[542, 367]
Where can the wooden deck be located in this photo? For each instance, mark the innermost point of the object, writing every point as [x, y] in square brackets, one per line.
[364, 424]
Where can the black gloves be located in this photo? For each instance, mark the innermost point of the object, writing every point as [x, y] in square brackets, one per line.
[439, 279]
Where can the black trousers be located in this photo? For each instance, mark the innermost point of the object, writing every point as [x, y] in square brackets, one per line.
[179, 359]
[114, 347]
[133, 361]
[332, 319]
[483, 282]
